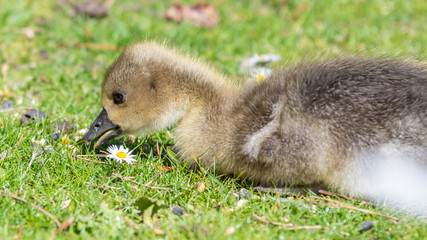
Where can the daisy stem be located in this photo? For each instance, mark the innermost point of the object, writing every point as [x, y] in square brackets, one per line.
[118, 167]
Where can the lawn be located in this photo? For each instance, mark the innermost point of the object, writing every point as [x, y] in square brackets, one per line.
[54, 62]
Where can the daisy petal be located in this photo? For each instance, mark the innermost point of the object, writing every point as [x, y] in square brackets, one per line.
[120, 154]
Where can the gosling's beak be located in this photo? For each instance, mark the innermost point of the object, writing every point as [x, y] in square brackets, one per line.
[102, 127]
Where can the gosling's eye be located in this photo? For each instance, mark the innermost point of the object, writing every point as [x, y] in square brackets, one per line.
[118, 98]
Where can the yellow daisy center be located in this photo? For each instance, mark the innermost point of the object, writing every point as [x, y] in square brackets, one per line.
[260, 78]
[121, 155]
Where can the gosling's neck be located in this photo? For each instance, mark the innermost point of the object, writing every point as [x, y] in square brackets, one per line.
[208, 97]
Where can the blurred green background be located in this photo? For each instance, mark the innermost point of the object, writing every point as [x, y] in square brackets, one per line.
[44, 65]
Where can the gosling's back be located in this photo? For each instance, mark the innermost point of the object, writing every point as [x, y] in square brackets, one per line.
[309, 124]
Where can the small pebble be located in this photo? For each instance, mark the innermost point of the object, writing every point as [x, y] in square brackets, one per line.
[179, 211]
[366, 226]
[55, 136]
[6, 105]
[43, 54]
[244, 193]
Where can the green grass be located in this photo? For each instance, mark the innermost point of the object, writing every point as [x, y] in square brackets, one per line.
[66, 84]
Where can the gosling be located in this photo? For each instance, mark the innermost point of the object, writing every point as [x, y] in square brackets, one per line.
[313, 124]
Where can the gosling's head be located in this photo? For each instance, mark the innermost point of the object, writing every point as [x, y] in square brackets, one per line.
[138, 94]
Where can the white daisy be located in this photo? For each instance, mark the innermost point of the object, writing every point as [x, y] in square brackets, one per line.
[258, 66]
[120, 154]
[260, 74]
[258, 61]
